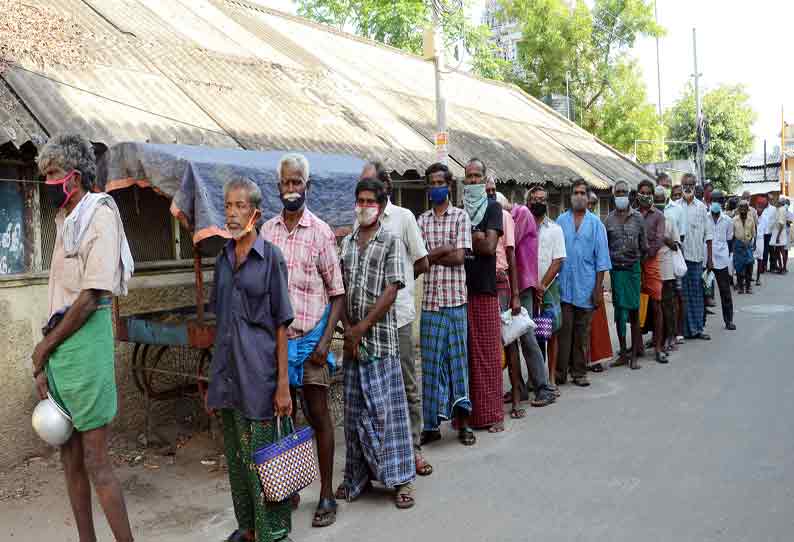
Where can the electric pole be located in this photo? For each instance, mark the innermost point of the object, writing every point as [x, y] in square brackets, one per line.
[699, 128]
[442, 137]
[659, 80]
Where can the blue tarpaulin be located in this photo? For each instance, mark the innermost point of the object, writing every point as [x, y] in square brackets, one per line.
[194, 177]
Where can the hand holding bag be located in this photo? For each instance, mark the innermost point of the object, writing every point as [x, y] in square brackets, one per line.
[288, 465]
[514, 326]
[679, 264]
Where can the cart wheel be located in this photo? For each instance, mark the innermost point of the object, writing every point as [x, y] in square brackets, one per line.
[202, 371]
[139, 366]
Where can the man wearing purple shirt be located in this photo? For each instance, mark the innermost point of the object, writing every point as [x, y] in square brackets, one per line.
[526, 236]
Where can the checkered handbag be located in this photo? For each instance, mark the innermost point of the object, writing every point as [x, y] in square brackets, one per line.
[544, 325]
[288, 465]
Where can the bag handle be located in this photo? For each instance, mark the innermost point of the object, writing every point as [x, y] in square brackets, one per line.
[279, 436]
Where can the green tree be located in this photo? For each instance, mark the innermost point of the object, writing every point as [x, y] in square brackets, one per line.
[588, 47]
[730, 118]
[400, 23]
[622, 114]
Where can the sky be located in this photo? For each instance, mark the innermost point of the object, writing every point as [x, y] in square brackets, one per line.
[737, 41]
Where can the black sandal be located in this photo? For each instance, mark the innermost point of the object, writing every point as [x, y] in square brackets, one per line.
[238, 536]
[429, 436]
[466, 436]
[325, 514]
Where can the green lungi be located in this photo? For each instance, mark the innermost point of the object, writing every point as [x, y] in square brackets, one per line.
[241, 438]
[81, 373]
[626, 284]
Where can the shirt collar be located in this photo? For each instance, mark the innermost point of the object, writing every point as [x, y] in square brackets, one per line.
[305, 221]
[258, 248]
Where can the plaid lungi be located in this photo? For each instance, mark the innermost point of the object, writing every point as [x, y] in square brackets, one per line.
[485, 361]
[377, 426]
[694, 319]
[445, 367]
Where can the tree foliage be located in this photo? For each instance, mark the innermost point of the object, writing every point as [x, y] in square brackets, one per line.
[590, 46]
[730, 118]
[623, 115]
[400, 23]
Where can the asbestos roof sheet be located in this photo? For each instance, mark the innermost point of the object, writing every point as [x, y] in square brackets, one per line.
[226, 73]
[756, 174]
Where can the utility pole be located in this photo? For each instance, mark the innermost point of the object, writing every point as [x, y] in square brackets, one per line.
[699, 132]
[659, 79]
[442, 137]
[567, 95]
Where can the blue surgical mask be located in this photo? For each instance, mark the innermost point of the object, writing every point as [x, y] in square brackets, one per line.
[716, 208]
[439, 194]
[622, 202]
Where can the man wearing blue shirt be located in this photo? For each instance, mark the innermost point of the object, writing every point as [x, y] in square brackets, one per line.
[581, 277]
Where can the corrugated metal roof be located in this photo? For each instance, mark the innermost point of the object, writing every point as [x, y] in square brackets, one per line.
[17, 126]
[226, 73]
[512, 125]
[756, 174]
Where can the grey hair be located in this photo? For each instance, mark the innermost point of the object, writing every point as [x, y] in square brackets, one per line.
[254, 193]
[620, 182]
[70, 152]
[660, 191]
[297, 161]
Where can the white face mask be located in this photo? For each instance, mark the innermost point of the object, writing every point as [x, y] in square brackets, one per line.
[366, 214]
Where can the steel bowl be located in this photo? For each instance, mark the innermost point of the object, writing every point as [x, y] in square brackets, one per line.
[51, 423]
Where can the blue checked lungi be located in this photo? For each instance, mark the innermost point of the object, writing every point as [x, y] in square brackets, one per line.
[694, 319]
[445, 366]
[742, 255]
[377, 426]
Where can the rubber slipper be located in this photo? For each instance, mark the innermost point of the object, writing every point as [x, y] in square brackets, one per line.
[466, 437]
[325, 514]
[404, 498]
[423, 468]
[518, 413]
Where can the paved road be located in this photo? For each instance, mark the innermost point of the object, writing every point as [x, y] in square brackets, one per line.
[699, 450]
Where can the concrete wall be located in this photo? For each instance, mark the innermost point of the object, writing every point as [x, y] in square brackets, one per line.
[23, 310]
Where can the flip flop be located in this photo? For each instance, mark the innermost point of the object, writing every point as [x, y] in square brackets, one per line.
[423, 468]
[429, 436]
[325, 514]
[498, 427]
[404, 498]
[466, 436]
[518, 413]
[238, 536]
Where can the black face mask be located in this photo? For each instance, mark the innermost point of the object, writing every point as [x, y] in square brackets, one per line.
[55, 195]
[538, 209]
[293, 205]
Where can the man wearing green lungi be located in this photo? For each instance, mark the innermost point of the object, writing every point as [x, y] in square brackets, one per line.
[628, 245]
[249, 383]
[74, 362]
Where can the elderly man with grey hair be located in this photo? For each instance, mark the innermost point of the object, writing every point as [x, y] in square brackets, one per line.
[628, 246]
[74, 362]
[317, 293]
[249, 384]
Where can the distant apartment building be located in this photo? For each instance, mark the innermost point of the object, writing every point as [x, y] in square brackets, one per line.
[505, 34]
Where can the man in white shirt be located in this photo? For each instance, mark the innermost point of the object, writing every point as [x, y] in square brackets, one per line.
[697, 251]
[723, 233]
[766, 222]
[551, 255]
[401, 222]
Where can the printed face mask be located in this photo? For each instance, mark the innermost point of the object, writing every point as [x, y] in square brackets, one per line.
[366, 214]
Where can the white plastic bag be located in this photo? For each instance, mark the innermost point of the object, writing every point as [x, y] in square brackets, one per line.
[679, 264]
[514, 327]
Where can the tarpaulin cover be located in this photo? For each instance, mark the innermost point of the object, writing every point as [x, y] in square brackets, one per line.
[194, 177]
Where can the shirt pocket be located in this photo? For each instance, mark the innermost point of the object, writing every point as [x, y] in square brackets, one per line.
[71, 275]
[256, 303]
